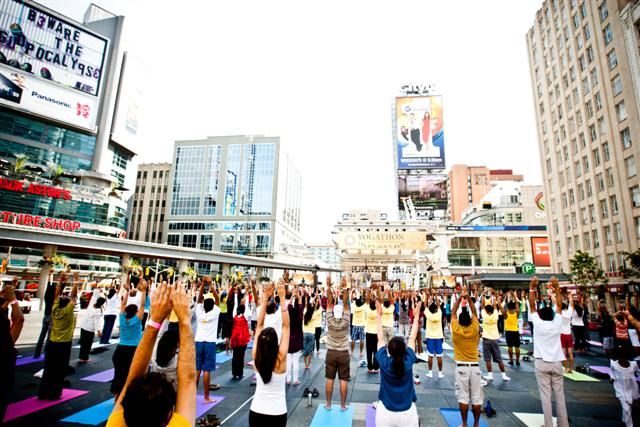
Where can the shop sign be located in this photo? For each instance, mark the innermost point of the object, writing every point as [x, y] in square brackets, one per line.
[39, 221]
[410, 240]
[33, 188]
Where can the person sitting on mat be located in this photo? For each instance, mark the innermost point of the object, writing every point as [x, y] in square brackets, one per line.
[149, 399]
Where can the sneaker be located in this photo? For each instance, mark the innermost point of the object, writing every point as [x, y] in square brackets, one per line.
[440, 375]
[517, 363]
[510, 362]
[483, 382]
[429, 374]
[505, 377]
[488, 377]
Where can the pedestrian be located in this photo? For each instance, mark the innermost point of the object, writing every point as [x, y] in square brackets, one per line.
[150, 399]
[317, 324]
[294, 352]
[510, 310]
[622, 374]
[208, 316]
[130, 319]
[397, 394]
[111, 309]
[338, 360]
[240, 338]
[10, 327]
[269, 404]
[578, 327]
[312, 309]
[566, 340]
[490, 336]
[357, 325]
[90, 324]
[434, 335]
[547, 351]
[58, 348]
[465, 333]
[49, 296]
[370, 330]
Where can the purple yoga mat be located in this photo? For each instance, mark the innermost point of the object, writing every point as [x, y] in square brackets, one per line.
[29, 359]
[32, 404]
[370, 419]
[595, 343]
[600, 369]
[202, 408]
[100, 377]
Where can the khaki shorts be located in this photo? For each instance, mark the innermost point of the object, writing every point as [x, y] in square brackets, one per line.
[387, 333]
[468, 385]
[337, 362]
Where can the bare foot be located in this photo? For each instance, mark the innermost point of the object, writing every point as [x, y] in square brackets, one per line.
[209, 400]
[328, 408]
[344, 408]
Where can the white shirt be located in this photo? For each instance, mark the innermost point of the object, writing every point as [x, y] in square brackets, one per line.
[112, 306]
[546, 338]
[91, 320]
[274, 321]
[269, 398]
[576, 320]
[566, 321]
[207, 330]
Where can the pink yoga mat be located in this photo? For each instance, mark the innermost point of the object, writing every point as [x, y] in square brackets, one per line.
[32, 404]
[370, 419]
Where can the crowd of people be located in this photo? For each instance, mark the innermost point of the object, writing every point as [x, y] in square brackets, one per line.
[169, 336]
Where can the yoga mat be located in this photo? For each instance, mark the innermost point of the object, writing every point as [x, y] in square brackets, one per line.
[222, 358]
[202, 408]
[577, 376]
[334, 417]
[453, 419]
[446, 346]
[595, 343]
[93, 415]
[100, 377]
[32, 404]
[96, 345]
[370, 418]
[250, 363]
[29, 359]
[600, 369]
[532, 420]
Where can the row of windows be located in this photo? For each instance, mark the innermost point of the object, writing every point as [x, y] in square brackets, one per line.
[156, 174]
[233, 243]
[223, 225]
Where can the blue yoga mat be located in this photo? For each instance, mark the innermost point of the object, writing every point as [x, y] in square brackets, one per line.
[453, 418]
[333, 418]
[222, 358]
[94, 415]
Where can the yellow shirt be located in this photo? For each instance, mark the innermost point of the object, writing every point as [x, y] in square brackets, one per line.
[387, 316]
[358, 315]
[116, 419]
[465, 340]
[511, 322]
[434, 324]
[370, 326]
[490, 325]
[316, 318]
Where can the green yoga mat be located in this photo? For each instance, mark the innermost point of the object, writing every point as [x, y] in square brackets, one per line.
[577, 376]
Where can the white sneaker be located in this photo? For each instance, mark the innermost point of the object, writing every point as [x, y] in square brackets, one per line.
[488, 377]
[483, 382]
[505, 377]
[440, 375]
[430, 374]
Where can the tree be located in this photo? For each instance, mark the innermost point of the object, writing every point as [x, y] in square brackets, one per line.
[55, 172]
[19, 165]
[632, 267]
[585, 270]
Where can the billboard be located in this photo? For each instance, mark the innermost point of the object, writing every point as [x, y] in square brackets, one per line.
[427, 192]
[22, 91]
[419, 134]
[443, 281]
[51, 47]
[351, 240]
[540, 251]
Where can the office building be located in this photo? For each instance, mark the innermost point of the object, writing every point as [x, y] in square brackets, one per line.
[66, 141]
[238, 194]
[467, 185]
[584, 72]
[149, 202]
[325, 254]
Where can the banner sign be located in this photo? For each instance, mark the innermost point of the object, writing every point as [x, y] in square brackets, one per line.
[51, 46]
[419, 134]
[540, 250]
[443, 281]
[410, 240]
[39, 221]
[22, 91]
[37, 189]
[497, 227]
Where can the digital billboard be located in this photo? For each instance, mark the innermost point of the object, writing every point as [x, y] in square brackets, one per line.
[51, 47]
[427, 192]
[419, 134]
[540, 251]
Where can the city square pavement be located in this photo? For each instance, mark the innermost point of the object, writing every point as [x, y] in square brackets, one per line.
[589, 403]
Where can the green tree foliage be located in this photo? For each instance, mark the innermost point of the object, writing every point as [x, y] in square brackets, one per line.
[585, 270]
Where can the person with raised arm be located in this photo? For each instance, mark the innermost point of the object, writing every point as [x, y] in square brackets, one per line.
[490, 336]
[337, 360]
[150, 399]
[58, 348]
[397, 392]
[357, 324]
[566, 339]
[547, 351]
[294, 301]
[269, 404]
[434, 334]
[370, 330]
[10, 328]
[510, 310]
[208, 316]
[130, 319]
[465, 331]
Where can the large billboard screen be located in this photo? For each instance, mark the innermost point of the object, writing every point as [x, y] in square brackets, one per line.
[50, 46]
[427, 192]
[540, 251]
[419, 133]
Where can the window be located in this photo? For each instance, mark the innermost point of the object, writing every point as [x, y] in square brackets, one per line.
[596, 157]
[630, 163]
[608, 34]
[580, 192]
[616, 85]
[608, 235]
[578, 170]
[597, 100]
[586, 86]
[610, 179]
[603, 11]
[613, 203]
[587, 240]
[585, 163]
[594, 76]
[173, 239]
[635, 196]
[580, 42]
[605, 151]
[583, 215]
[596, 239]
[587, 32]
[592, 213]
[189, 240]
[621, 111]
[600, 182]
[588, 107]
[604, 210]
[206, 242]
[590, 55]
[625, 136]
[589, 190]
[618, 229]
[612, 59]
[636, 222]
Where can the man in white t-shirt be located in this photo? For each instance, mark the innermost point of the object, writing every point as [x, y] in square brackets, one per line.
[207, 314]
[548, 354]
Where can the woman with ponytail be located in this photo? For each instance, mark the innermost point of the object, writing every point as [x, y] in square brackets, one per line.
[269, 406]
[397, 393]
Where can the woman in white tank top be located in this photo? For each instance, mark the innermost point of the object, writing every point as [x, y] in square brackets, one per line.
[269, 406]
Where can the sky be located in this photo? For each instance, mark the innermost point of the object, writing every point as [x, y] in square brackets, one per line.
[323, 76]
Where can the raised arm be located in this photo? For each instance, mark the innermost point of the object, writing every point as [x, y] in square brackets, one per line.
[17, 318]
[74, 288]
[329, 294]
[555, 298]
[284, 339]
[379, 330]
[533, 287]
[200, 299]
[267, 293]
[186, 392]
[415, 327]
[142, 288]
[472, 306]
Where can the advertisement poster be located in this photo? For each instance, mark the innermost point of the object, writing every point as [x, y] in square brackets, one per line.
[24, 92]
[50, 47]
[426, 191]
[540, 251]
[419, 132]
[443, 281]
[350, 240]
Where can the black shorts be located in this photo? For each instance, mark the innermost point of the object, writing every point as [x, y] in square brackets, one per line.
[513, 338]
